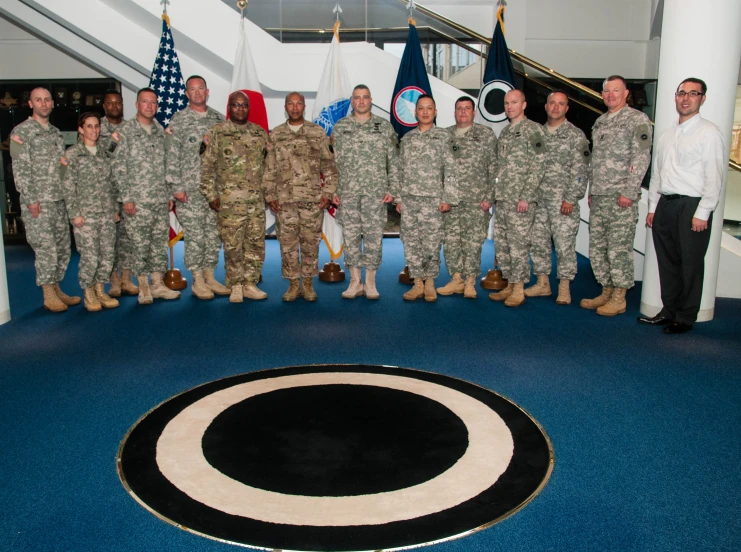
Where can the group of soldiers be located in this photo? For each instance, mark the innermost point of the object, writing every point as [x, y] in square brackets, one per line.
[117, 185]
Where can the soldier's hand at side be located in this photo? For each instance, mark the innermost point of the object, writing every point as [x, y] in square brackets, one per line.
[398, 208]
[567, 208]
[444, 207]
[650, 220]
[78, 222]
[171, 205]
[589, 200]
[129, 208]
[624, 202]
[388, 198]
[485, 205]
[274, 206]
[336, 199]
[215, 204]
[522, 206]
[698, 225]
[324, 203]
[116, 217]
[182, 197]
[35, 209]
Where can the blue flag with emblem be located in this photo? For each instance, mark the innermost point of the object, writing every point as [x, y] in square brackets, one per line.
[167, 79]
[411, 83]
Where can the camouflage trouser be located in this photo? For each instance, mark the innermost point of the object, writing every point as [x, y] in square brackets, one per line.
[242, 229]
[49, 237]
[466, 226]
[422, 235]
[549, 222]
[149, 231]
[612, 230]
[299, 226]
[123, 250]
[95, 242]
[202, 241]
[363, 220]
[512, 240]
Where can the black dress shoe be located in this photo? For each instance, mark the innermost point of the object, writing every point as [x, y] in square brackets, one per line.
[677, 328]
[658, 320]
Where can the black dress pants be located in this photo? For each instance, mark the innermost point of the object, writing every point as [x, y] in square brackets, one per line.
[680, 253]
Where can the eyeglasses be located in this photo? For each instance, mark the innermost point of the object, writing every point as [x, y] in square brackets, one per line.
[691, 94]
[239, 106]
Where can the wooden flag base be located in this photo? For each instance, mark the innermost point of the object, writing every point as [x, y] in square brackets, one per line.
[404, 277]
[332, 273]
[174, 280]
[493, 280]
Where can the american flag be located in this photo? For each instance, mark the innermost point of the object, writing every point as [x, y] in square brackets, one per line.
[167, 80]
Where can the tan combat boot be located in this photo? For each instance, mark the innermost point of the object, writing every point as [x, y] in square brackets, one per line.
[598, 301]
[370, 285]
[159, 290]
[70, 301]
[106, 301]
[51, 300]
[455, 285]
[91, 300]
[430, 293]
[417, 291]
[236, 296]
[469, 289]
[293, 292]
[355, 289]
[517, 297]
[145, 294]
[127, 285]
[213, 284]
[502, 295]
[115, 289]
[616, 304]
[199, 287]
[564, 292]
[309, 293]
[542, 288]
[251, 291]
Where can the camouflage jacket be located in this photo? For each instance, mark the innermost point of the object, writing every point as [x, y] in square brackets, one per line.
[295, 164]
[184, 142]
[37, 161]
[232, 165]
[621, 154]
[522, 156]
[567, 159]
[475, 156]
[366, 155]
[139, 164]
[87, 183]
[428, 166]
[106, 130]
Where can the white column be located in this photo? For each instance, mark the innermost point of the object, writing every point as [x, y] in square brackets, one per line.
[4, 300]
[703, 40]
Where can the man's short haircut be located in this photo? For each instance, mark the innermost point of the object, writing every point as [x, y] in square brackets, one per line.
[522, 94]
[465, 99]
[299, 94]
[190, 78]
[614, 78]
[85, 116]
[422, 97]
[142, 90]
[360, 87]
[693, 80]
[30, 95]
[239, 93]
[557, 91]
[110, 92]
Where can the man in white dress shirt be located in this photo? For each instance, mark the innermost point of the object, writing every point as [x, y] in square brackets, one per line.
[684, 191]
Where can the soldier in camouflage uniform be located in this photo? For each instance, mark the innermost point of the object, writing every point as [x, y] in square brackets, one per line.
[522, 157]
[121, 275]
[366, 154]
[184, 143]
[231, 182]
[620, 158]
[429, 188]
[557, 211]
[139, 176]
[298, 151]
[37, 149]
[91, 207]
[467, 224]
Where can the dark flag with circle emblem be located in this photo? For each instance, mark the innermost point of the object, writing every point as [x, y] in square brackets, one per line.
[167, 80]
[411, 83]
[499, 78]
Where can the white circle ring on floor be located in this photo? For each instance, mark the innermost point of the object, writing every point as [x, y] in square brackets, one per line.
[180, 459]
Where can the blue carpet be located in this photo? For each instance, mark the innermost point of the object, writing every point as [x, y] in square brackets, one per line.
[644, 426]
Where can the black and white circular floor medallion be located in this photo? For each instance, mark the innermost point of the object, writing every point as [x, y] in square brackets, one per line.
[335, 458]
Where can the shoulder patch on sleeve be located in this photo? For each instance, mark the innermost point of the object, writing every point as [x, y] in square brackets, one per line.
[168, 130]
[206, 138]
[643, 135]
[538, 143]
[116, 136]
[18, 139]
[583, 147]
